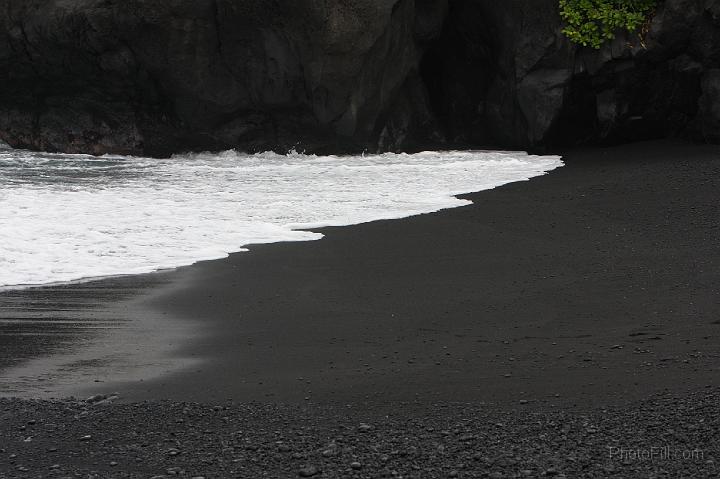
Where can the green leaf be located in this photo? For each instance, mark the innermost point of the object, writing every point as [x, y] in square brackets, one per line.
[593, 22]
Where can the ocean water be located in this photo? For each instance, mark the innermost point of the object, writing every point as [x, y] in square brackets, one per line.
[72, 217]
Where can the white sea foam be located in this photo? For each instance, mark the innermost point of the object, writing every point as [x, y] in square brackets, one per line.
[68, 217]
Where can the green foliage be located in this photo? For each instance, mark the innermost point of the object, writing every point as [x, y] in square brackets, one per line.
[592, 22]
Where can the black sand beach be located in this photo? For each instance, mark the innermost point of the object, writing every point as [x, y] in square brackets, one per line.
[594, 282]
[579, 310]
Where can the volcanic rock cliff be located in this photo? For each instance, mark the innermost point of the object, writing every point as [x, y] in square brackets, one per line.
[159, 76]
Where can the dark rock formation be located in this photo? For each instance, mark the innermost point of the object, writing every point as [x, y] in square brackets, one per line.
[512, 78]
[529, 86]
[160, 76]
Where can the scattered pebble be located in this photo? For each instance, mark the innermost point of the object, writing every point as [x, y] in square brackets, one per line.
[365, 427]
[308, 471]
[256, 440]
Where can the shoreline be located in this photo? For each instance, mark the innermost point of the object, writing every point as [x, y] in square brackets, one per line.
[387, 311]
[211, 204]
[548, 291]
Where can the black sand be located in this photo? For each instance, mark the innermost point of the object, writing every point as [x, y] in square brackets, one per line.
[591, 287]
[597, 282]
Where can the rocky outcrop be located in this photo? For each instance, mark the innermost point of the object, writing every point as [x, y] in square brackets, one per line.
[512, 78]
[159, 76]
[154, 77]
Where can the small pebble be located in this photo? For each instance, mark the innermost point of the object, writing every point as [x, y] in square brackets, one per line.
[308, 471]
